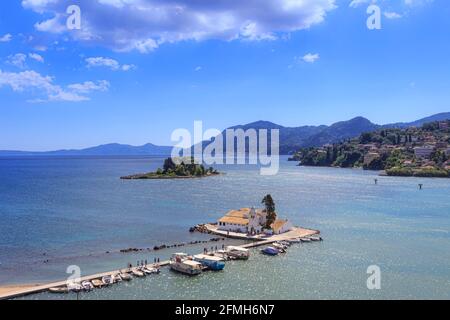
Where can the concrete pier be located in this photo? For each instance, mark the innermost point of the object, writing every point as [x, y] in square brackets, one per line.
[257, 241]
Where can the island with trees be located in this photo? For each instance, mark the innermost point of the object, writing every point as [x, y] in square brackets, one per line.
[181, 168]
[418, 152]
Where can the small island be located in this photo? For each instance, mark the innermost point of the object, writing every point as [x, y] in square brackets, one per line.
[187, 168]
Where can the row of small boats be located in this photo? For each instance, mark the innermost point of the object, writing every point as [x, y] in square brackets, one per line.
[106, 281]
[194, 265]
[282, 246]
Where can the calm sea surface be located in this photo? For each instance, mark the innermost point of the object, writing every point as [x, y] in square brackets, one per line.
[72, 211]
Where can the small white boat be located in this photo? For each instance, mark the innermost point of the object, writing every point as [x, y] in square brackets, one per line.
[180, 262]
[138, 273]
[74, 287]
[305, 240]
[151, 270]
[315, 238]
[117, 278]
[126, 276]
[97, 283]
[107, 280]
[238, 253]
[294, 241]
[87, 285]
[279, 247]
[59, 290]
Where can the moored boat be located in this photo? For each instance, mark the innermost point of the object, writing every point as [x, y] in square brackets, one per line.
[126, 276]
[180, 262]
[305, 240]
[270, 251]
[98, 283]
[117, 278]
[87, 286]
[107, 280]
[294, 240]
[59, 290]
[74, 287]
[138, 273]
[315, 238]
[279, 247]
[211, 262]
[238, 253]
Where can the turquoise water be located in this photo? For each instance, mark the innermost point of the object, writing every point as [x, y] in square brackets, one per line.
[74, 210]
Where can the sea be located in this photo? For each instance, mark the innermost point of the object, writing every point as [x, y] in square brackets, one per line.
[58, 212]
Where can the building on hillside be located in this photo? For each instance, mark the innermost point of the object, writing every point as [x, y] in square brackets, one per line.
[370, 157]
[423, 152]
[443, 125]
[251, 221]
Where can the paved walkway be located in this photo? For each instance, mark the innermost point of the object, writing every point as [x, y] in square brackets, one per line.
[19, 291]
[297, 232]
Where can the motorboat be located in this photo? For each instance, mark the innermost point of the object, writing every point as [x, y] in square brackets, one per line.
[238, 253]
[153, 270]
[279, 247]
[211, 262]
[107, 280]
[98, 283]
[87, 286]
[315, 238]
[149, 271]
[182, 263]
[294, 240]
[270, 251]
[305, 240]
[285, 243]
[117, 278]
[126, 276]
[59, 290]
[75, 287]
[138, 273]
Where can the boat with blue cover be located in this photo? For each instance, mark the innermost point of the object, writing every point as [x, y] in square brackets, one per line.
[270, 251]
[211, 262]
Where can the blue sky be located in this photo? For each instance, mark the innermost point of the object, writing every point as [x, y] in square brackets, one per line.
[133, 76]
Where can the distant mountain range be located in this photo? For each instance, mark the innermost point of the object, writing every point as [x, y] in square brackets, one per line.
[291, 139]
[113, 149]
[294, 138]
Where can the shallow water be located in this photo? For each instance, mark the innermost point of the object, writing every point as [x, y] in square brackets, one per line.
[74, 210]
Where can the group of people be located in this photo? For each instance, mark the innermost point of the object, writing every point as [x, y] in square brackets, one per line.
[143, 263]
[205, 250]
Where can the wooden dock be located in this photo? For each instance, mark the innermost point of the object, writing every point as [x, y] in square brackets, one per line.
[296, 233]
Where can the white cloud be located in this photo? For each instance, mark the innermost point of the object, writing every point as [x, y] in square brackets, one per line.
[197, 69]
[143, 25]
[18, 60]
[6, 38]
[90, 86]
[36, 57]
[112, 64]
[53, 25]
[311, 58]
[33, 82]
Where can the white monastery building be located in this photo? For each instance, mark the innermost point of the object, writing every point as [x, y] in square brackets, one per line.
[251, 221]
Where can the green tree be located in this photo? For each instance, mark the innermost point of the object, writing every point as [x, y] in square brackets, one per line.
[270, 210]
[169, 165]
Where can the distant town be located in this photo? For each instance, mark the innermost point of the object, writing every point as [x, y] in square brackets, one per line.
[416, 151]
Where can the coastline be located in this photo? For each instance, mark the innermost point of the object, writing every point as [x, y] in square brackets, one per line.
[145, 176]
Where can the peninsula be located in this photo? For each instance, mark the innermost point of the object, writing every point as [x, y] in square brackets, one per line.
[417, 151]
[181, 168]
